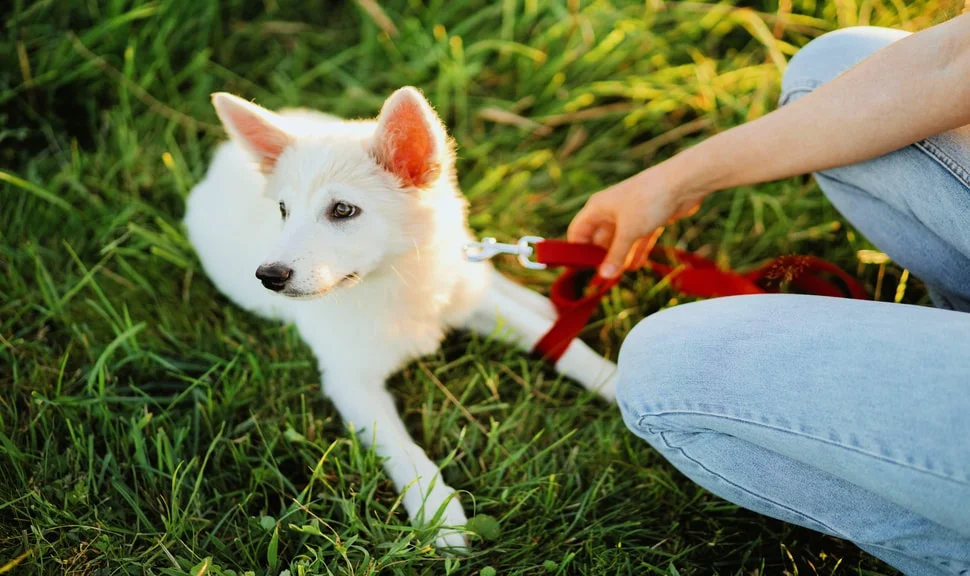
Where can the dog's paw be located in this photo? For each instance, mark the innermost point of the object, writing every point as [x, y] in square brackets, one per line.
[452, 543]
[451, 537]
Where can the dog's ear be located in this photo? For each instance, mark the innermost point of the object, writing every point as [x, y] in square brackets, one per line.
[410, 141]
[254, 128]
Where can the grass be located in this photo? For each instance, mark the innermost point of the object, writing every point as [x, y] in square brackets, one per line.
[149, 427]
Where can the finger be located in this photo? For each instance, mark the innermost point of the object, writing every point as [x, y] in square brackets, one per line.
[616, 257]
[582, 227]
[603, 236]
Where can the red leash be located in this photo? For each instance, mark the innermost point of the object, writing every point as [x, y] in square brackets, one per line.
[688, 273]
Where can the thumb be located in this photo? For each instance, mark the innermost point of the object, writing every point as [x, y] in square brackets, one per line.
[615, 259]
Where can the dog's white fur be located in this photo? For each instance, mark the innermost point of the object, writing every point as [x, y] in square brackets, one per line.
[395, 277]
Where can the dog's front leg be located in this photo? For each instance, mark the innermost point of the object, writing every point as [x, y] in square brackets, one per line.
[365, 405]
[529, 316]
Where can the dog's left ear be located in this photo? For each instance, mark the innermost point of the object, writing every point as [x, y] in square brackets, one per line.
[410, 141]
[254, 128]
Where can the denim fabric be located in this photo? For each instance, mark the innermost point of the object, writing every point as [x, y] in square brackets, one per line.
[914, 204]
[848, 417]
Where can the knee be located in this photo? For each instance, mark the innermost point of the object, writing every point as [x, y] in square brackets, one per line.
[710, 356]
[676, 361]
[655, 356]
[831, 54]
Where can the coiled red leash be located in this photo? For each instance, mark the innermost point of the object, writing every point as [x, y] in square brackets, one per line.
[687, 273]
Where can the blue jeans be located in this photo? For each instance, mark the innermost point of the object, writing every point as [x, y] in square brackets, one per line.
[848, 417]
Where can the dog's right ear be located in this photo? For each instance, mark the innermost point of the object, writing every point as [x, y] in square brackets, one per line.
[409, 141]
[255, 129]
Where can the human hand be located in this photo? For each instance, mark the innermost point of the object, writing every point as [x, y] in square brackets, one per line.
[627, 218]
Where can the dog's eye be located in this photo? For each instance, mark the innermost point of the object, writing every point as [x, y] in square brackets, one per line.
[282, 210]
[342, 211]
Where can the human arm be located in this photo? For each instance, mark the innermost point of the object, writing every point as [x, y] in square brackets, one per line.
[912, 89]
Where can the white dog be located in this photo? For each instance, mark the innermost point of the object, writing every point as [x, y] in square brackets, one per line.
[299, 205]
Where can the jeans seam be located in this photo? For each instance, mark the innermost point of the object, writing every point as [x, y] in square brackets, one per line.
[945, 160]
[806, 85]
[810, 84]
[810, 437]
[799, 513]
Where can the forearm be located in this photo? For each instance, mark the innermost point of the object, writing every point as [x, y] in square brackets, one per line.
[912, 89]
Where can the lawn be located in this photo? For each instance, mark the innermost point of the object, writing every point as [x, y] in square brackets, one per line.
[147, 426]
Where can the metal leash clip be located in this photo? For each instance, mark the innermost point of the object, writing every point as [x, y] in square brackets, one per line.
[489, 247]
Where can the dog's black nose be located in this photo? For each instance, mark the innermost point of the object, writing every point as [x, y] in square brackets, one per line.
[274, 276]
